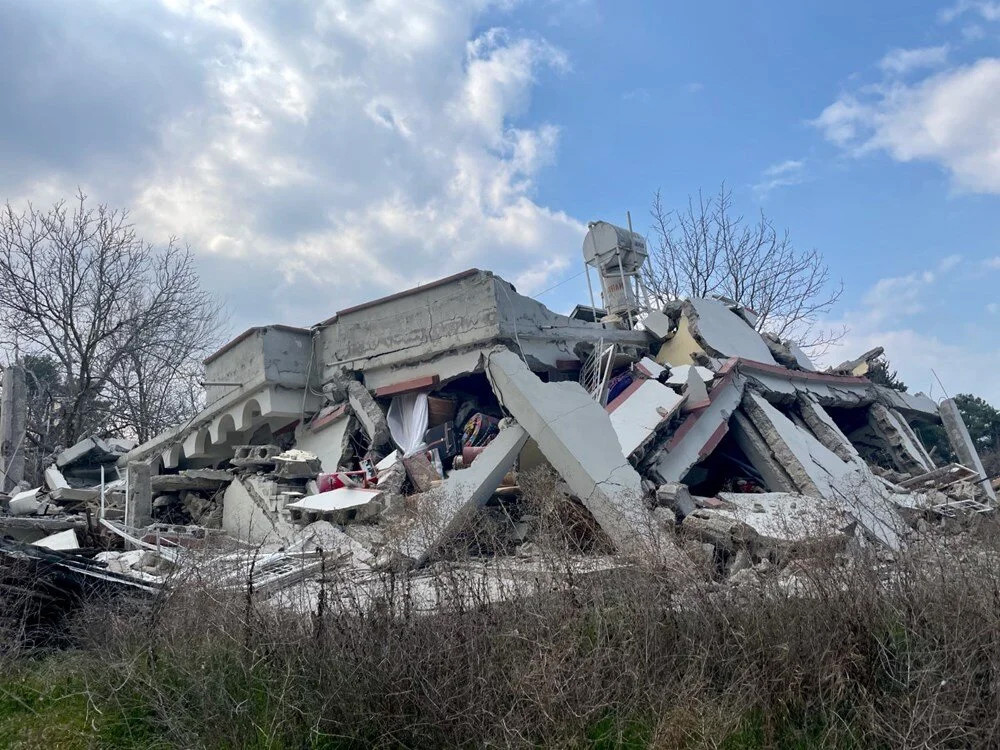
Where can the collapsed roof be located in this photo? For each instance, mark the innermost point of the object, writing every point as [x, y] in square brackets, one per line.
[396, 422]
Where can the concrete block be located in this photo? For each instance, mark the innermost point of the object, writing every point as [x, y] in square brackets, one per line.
[89, 450]
[677, 497]
[961, 443]
[54, 479]
[24, 503]
[62, 540]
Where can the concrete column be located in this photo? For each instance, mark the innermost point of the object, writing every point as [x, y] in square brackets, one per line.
[961, 443]
[140, 495]
[13, 416]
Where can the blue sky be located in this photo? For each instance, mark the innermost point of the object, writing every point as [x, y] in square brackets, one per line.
[317, 154]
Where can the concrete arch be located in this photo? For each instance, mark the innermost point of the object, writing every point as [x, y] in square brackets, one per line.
[172, 456]
[221, 428]
[196, 444]
[247, 413]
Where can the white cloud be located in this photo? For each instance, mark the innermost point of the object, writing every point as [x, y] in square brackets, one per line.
[353, 148]
[951, 118]
[988, 10]
[783, 174]
[992, 263]
[902, 61]
[964, 359]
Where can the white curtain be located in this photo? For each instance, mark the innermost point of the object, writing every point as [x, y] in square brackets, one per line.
[407, 419]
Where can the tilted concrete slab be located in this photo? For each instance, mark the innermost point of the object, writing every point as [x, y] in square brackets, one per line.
[825, 429]
[816, 470]
[444, 509]
[640, 410]
[902, 446]
[961, 443]
[700, 432]
[753, 445]
[576, 436]
[719, 332]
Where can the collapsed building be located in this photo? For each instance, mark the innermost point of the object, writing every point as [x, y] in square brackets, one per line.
[392, 425]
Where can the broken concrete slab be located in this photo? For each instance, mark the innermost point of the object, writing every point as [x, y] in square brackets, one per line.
[191, 479]
[24, 503]
[681, 374]
[902, 446]
[638, 412]
[324, 536]
[90, 450]
[251, 512]
[658, 325]
[64, 495]
[710, 328]
[342, 498]
[369, 413]
[695, 391]
[445, 509]
[860, 366]
[961, 443]
[719, 529]
[54, 478]
[576, 436]
[821, 425]
[700, 433]
[61, 540]
[791, 524]
[756, 448]
[816, 470]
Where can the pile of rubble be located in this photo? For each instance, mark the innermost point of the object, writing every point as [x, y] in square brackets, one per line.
[390, 428]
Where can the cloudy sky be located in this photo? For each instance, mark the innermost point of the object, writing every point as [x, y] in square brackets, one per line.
[319, 153]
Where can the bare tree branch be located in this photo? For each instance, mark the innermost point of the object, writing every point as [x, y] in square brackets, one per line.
[123, 325]
[707, 250]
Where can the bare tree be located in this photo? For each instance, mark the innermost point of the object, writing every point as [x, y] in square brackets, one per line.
[708, 250]
[126, 323]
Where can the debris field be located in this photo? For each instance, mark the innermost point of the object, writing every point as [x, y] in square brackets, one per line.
[378, 438]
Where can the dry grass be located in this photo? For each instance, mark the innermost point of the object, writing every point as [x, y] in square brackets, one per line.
[844, 653]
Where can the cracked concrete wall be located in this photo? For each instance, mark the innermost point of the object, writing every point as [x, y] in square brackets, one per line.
[249, 516]
[416, 325]
[278, 353]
